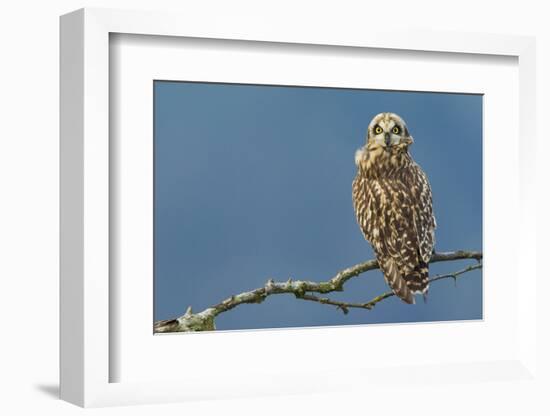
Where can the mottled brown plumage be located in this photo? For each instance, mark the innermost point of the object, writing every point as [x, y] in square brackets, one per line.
[393, 205]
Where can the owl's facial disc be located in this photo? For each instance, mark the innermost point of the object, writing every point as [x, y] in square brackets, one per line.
[387, 130]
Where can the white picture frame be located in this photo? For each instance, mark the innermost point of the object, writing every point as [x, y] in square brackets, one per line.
[86, 305]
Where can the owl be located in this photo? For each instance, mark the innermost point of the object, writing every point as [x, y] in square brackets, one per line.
[393, 206]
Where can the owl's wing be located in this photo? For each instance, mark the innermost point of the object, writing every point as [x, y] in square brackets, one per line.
[400, 226]
[385, 211]
[397, 246]
[424, 219]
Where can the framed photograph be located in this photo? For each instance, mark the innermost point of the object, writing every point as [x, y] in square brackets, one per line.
[311, 202]
[284, 200]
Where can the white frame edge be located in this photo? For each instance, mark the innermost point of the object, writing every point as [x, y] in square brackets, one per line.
[71, 345]
[84, 176]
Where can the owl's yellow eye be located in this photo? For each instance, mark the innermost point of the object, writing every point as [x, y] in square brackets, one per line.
[378, 129]
[395, 130]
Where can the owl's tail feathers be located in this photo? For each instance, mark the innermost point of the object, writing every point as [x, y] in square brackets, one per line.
[418, 280]
[397, 283]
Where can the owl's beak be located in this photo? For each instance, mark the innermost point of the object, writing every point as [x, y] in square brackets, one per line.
[387, 140]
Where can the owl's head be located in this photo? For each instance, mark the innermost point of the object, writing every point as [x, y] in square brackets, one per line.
[388, 131]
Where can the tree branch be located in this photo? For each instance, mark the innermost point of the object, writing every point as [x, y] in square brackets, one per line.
[304, 289]
[345, 306]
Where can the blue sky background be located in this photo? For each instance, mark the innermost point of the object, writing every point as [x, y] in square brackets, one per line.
[253, 182]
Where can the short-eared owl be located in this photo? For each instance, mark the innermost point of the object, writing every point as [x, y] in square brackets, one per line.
[393, 204]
